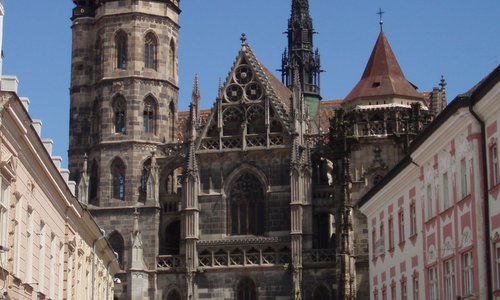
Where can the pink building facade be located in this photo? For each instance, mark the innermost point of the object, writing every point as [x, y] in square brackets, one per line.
[434, 221]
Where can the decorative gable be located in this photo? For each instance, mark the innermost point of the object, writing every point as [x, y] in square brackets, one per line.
[251, 111]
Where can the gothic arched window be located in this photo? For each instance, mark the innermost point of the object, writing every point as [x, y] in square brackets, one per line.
[174, 295]
[321, 293]
[121, 50]
[119, 113]
[117, 243]
[150, 46]
[172, 239]
[118, 172]
[246, 202]
[146, 171]
[149, 115]
[93, 183]
[324, 231]
[171, 59]
[246, 290]
[171, 120]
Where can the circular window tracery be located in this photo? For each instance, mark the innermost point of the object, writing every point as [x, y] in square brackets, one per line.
[234, 93]
[243, 74]
[253, 91]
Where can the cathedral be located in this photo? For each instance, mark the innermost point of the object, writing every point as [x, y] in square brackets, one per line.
[252, 199]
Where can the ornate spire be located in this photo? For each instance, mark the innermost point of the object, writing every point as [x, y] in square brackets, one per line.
[195, 102]
[301, 55]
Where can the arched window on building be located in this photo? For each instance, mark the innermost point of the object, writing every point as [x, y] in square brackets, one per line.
[324, 231]
[149, 115]
[171, 59]
[93, 183]
[150, 48]
[172, 239]
[118, 172]
[246, 202]
[119, 114]
[145, 173]
[171, 122]
[121, 50]
[117, 243]
[246, 290]
[174, 295]
[321, 293]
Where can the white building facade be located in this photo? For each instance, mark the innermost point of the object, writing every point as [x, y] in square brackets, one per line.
[432, 227]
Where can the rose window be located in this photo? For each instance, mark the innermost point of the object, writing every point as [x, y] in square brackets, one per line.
[243, 75]
[253, 91]
[234, 93]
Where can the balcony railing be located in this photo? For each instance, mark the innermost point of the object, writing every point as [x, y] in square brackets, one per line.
[169, 262]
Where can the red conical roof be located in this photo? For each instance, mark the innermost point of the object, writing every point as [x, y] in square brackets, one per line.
[383, 76]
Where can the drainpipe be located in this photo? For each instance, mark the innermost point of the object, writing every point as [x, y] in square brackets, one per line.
[93, 263]
[489, 263]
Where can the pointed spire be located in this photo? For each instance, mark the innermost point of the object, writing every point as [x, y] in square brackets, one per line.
[383, 76]
[442, 83]
[195, 103]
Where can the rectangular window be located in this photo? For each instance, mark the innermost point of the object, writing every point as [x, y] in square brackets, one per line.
[494, 165]
[401, 220]
[381, 242]
[449, 280]
[430, 202]
[4, 217]
[393, 291]
[29, 257]
[413, 219]
[468, 271]
[17, 237]
[446, 194]
[404, 294]
[391, 233]
[433, 284]
[384, 294]
[464, 183]
[498, 264]
[415, 288]
[41, 258]
[374, 242]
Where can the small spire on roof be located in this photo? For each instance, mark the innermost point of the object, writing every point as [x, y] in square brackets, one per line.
[443, 83]
[243, 39]
[381, 21]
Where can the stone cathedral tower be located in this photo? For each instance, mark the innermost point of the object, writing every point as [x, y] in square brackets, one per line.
[124, 90]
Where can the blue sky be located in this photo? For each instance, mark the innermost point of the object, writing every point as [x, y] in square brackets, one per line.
[455, 38]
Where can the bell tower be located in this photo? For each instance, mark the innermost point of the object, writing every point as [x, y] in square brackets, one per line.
[123, 106]
[301, 57]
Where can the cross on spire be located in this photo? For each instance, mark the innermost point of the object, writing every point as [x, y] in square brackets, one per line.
[381, 21]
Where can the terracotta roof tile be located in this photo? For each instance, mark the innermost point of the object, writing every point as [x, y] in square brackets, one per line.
[383, 75]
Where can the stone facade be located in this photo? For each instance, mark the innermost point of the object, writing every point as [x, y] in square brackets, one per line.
[243, 201]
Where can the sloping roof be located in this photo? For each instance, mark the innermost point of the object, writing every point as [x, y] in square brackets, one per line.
[383, 75]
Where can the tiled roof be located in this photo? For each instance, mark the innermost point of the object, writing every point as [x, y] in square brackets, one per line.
[383, 75]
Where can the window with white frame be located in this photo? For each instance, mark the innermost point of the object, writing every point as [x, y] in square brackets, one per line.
[404, 291]
[468, 273]
[446, 193]
[449, 280]
[413, 218]
[415, 287]
[381, 242]
[494, 164]
[430, 202]
[41, 257]
[464, 183]
[497, 251]
[393, 291]
[4, 216]
[391, 233]
[433, 283]
[384, 293]
[17, 237]
[30, 234]
[401, 221]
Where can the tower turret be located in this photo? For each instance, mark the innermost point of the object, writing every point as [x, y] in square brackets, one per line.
[301, 56]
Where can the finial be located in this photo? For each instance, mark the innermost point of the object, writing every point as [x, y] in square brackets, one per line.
[443, 83]
[220, 88]
[136, 221]
[381, 21]
[196, 87]
[243, 39]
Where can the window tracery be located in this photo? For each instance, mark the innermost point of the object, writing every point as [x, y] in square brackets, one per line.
[118, 173]
[121, 50]
[149, 115]
[150, 48]
[246, 198]
[119, 110]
